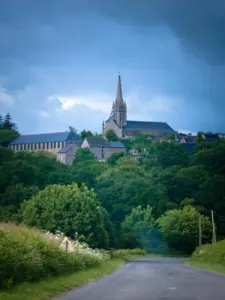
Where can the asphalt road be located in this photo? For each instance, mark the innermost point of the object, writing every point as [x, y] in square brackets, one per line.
[153, 279]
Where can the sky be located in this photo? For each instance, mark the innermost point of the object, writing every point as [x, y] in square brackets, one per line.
[60, 60]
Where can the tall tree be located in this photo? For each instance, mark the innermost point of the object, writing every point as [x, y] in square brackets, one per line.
[111, 135]
[86, 133]
[69, 209]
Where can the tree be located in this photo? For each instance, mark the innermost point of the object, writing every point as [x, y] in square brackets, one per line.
[180, 228]
[111, 135]
[140, 224]
[127, 185]
[83, 156]
[8, 124]
[169, 154]
[114, 158]
[1, 121]
[6, 136]
[69, 209]
[86, 133]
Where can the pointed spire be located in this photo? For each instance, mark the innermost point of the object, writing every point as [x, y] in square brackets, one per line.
[119, 95]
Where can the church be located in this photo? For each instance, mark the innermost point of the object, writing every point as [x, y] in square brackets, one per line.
[127, 129]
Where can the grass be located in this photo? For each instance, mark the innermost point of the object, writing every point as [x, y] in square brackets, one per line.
[206, 266]
[55, 286]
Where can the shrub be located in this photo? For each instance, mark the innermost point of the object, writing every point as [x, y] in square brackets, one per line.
[180, 229]
[70, 209]
[214, 254]
[27, 255]
[126, 253]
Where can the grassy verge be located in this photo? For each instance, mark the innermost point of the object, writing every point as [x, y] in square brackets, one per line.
[206, 266]
[54, 286]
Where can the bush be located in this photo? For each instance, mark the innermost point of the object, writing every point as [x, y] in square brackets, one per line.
[70, 209]
[180, 229]
[214, 254]
[125, 253]
[27, 255]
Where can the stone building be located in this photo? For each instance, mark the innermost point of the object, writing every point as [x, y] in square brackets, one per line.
[49, 142]
[125, 128]
[101, 147]
[65, 144]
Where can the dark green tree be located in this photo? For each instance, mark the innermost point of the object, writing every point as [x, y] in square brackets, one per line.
[111, 135]
[70, 209]
[180, 229]
[86, 133]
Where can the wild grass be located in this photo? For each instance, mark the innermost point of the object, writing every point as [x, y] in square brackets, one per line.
[209, 257]
[54, 286]
[26, 255]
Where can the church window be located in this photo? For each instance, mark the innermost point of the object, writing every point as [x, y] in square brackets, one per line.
[58, 144]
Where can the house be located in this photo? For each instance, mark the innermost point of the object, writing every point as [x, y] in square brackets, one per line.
[127, 129]
[211, 137]
[188, 139]
[101, 147]
[66, 154]
[49, 142]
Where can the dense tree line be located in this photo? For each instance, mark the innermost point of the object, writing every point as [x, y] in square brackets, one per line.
[153, 201]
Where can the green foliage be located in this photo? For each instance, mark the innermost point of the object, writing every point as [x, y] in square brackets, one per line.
[86, 168]
[180, 228]
[7, 135]
[141, 224]
[111, 135]
[127, 253]
[69, 209]
[8, 130]
[114, 158]
[83, 156]
[27, 256]
[86, 133]
[126, 186]
[214, 253]
[139, 220]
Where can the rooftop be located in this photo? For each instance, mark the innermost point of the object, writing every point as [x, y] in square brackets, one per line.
[140, 125]
[101, 142]
[46, 137]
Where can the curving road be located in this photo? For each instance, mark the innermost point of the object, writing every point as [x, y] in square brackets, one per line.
[153, 279]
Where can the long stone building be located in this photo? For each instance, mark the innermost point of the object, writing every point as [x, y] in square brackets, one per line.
[125, 128]
[64, 145]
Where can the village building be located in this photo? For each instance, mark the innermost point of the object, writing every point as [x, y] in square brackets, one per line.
[101, 147]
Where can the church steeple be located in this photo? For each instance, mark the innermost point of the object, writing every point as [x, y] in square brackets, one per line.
[119, 95]
[119, 109]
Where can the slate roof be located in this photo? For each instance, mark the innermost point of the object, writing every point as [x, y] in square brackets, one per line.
[211, 136]
[97, 142]
[116, 144]
[100, 142]
[45, 137]
[144, 125]
[66, 148]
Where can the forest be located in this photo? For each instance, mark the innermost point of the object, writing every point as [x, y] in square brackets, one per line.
[153, 202]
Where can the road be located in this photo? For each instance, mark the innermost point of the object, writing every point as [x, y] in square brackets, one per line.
[153, 279]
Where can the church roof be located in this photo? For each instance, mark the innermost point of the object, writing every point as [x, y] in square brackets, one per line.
[46, 137]
[145, 125]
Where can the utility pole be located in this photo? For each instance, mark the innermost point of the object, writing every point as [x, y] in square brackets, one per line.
[213, 228]
[200, 230]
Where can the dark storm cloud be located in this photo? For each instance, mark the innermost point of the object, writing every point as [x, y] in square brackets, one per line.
[199, 24]
[172, 47]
